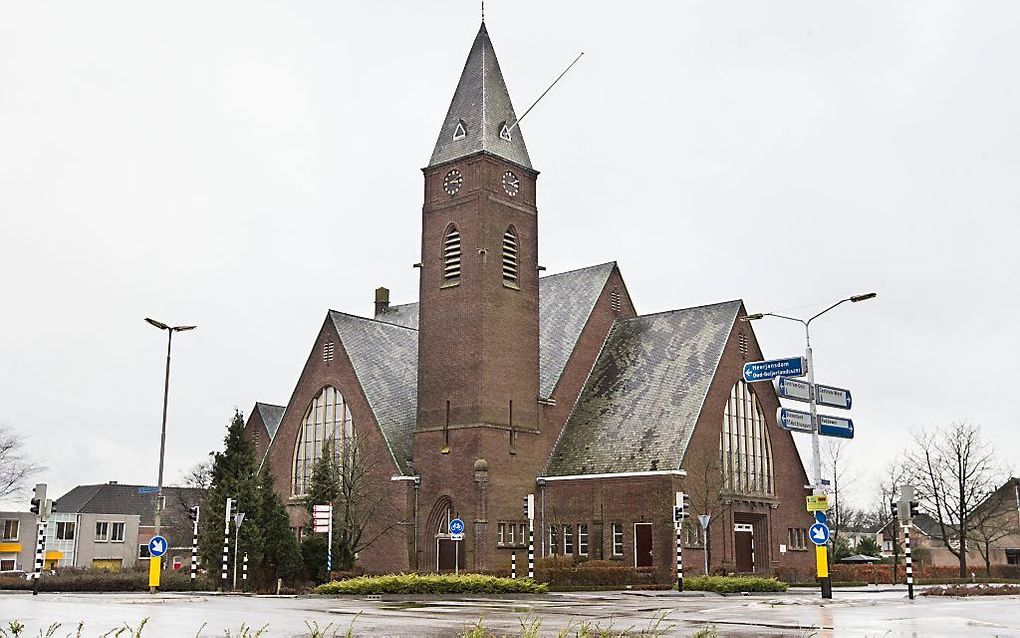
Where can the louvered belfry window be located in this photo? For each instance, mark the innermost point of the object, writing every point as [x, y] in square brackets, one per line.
[451, 254]
[510, 255]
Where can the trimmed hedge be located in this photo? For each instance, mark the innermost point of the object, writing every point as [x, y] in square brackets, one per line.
[97, 581]
[432, 584]
[733, 584]
[972, 590]
[567, 573]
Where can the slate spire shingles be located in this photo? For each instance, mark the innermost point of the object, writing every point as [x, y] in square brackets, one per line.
[480, 107]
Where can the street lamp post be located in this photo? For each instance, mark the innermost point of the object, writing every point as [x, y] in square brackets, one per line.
[170, 330]
[816, 455]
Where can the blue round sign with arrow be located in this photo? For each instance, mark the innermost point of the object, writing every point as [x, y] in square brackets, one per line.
[456, 526]
[158, 546]
[819, 533]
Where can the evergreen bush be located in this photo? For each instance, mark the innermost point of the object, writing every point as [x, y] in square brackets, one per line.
[432, 584]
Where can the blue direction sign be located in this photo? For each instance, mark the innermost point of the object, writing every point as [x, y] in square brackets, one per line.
[819, 533]
[774, 368]
[835, 426]
[456, 526]
[148, 489]
[158, 546]
[820, 517]
[833, 397]
[795, 420]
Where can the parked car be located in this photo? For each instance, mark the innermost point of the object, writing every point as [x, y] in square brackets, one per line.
[15, 573]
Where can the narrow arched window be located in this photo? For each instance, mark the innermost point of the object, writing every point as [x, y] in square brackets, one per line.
[328, 419]
[451, 254]
[744, 446]
[510, 255]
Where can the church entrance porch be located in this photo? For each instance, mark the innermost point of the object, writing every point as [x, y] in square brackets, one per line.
[743, 546]
[449, 555]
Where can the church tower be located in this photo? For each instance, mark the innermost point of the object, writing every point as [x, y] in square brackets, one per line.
[478, 327]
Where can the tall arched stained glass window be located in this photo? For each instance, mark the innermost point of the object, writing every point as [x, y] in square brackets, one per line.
[744, 446]
[327, 418]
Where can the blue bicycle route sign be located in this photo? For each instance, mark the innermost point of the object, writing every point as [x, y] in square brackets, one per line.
[456, 526]
[773, 368]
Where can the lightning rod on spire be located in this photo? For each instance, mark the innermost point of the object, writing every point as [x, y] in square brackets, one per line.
[514, 125]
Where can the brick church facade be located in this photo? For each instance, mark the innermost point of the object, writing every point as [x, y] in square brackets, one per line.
[500, 382]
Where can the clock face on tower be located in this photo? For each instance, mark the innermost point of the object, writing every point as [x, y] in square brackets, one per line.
[452, 182]
[511, 184]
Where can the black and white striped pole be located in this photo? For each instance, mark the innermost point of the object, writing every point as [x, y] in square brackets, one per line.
[679, 514]
[244, 574]
[513, 565]
[531, 535]
[906, 512]
[226, 541]
[193, 514]
[39, 508]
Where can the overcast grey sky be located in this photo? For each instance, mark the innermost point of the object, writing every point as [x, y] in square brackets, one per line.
[245, 166]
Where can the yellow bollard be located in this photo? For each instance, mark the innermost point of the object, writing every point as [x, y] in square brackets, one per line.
[154, 565]
[822, 561]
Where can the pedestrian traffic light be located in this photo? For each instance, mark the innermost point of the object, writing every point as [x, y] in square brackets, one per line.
[894, 509]
[36, 506]
[529, 506]
[193, 513]
[913, 509]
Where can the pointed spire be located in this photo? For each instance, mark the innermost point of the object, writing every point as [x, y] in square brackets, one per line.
[481, 116]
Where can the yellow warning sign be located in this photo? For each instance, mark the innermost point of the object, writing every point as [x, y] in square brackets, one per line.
[819, 503]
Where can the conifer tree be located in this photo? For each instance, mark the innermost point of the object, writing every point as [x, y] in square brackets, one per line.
[234, 475]
[281, 557]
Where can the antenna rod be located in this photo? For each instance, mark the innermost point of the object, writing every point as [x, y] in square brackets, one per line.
[512, 127]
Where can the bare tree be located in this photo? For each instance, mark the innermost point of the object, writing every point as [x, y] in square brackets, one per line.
[704, 485]
[836, 461]
[953, 470]
[995, 519]
[199, 475]
[15, 466]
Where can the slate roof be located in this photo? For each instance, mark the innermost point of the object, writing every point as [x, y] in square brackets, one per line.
[403, 315]
[271, 416]
[115, 498]
[385, 359]
[565, 301]
[642, 400]
[482, 103]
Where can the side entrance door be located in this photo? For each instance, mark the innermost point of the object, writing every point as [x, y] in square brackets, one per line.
[743, 543]
[450, 555]
[642, 544]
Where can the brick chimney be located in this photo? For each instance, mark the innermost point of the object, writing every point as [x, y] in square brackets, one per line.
[382, 300]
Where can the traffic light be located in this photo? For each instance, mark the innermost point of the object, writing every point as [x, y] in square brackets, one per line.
[895, 510]
[39, 500]
[529, 506]
[913, 509]
[682, 509]
[193, 513]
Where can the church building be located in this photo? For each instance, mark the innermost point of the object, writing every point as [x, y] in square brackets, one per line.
[502, 381]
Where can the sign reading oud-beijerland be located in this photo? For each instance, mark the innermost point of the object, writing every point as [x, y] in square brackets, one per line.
[773, 368]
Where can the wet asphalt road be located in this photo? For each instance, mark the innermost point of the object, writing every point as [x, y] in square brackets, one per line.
[862, 612]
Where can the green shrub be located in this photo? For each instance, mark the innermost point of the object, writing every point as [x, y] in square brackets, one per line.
[74, 580]
[432, 584]
[732, 584]
[566, 573]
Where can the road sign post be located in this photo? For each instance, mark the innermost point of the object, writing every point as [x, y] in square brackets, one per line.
[456, 535]
[705, 520]
[322, 521]
[158, 546]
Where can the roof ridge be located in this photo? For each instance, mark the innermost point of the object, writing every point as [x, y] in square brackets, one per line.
[666, 312]
[567, 272]
[380, 321]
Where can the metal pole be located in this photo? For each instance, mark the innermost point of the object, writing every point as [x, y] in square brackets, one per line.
[816, 454]
[244, 577]
[531, 547]
[237, 537]
[40, 550]
[158, 514]
[194, 550]
[679, 558]
[456, 557]
[513, 565]
[329, 545]
[910, 566]
[704, 545]
[226, 543]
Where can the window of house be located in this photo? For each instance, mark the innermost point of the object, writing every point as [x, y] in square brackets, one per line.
[510, 533]
[143, 550]
[451, 254]
[11, 528]
[523, 529]
[617, 539]
[510, 255]
[692, 533]
[744, 444]
[117, 532]
[7, 562]
[1013, 556]
[554, 539]
[582, 539]
[102, 531]
[568, 540]
[500, 533]
[887, 546]
[328, 419]
[65, 531]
